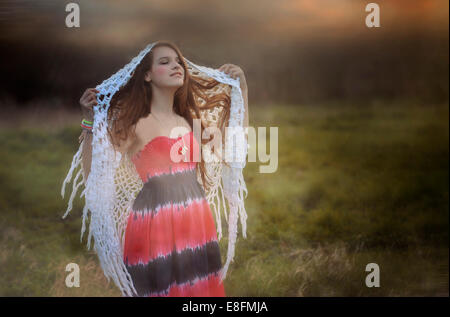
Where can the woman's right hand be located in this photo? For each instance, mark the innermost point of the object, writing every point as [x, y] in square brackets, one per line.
[87, 101]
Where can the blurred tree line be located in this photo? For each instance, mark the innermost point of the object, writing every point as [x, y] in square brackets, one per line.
[358, 68]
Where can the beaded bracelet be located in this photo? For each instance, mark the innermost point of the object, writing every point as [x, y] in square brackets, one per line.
[87, 125]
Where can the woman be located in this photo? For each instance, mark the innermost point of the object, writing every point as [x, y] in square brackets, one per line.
[170, 241]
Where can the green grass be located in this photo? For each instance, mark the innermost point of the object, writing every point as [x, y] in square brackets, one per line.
[355, 184]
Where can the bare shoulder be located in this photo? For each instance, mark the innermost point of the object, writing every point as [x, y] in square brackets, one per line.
[144, 129]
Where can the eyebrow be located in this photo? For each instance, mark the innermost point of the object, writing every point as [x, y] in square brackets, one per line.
[167, 57]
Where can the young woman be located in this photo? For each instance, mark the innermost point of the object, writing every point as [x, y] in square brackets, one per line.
[171, 246]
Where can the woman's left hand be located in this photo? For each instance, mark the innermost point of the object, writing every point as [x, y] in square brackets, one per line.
[234, 71]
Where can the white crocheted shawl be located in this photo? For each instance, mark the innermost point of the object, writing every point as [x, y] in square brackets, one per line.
[113, 182]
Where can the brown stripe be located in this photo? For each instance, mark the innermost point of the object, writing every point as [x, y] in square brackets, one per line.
[158, 274]
[176, 188]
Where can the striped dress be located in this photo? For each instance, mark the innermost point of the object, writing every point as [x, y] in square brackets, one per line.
[171, 246]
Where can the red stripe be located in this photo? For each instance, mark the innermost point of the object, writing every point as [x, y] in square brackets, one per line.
[161, 162]
[147, 238]
[210, 286]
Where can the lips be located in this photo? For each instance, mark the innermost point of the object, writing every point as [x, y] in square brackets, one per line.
[177, 73]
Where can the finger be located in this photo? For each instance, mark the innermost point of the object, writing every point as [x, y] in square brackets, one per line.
[89, 91]
[233, 68]
[231, 72]
[233, 75]
[86, 93]
[227, 70]
[225, 67]
[90, 99]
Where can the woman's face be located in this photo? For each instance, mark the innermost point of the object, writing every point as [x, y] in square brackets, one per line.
[166, 65]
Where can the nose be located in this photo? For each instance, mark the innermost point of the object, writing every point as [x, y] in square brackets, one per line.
[178, 67]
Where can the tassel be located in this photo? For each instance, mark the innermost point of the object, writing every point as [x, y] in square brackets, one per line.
[75, 162]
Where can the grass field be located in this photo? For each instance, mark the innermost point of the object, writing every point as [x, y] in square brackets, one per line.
[355, 184]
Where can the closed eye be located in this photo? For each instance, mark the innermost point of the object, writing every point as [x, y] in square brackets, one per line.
[179, 62]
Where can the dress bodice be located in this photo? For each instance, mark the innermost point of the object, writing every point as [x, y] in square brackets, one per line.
[163, 155]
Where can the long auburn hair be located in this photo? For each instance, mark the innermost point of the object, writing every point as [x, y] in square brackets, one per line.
[133, 101]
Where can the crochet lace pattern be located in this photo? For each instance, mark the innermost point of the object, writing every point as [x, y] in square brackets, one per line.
[113, 182]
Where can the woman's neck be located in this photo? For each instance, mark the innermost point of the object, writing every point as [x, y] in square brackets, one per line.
[162, 101]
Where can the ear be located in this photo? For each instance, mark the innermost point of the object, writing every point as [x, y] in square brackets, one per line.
[147, 77]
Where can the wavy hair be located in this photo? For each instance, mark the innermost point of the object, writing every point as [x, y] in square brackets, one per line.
[131, 102]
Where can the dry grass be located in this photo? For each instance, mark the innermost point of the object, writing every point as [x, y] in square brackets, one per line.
[92, 280]
[354, 186]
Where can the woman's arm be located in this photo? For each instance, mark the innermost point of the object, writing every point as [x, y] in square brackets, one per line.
[86, 151]
[87, 101]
